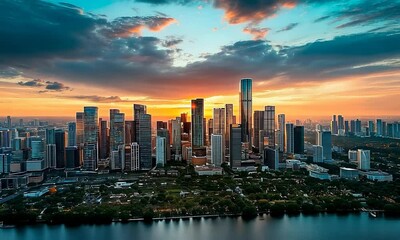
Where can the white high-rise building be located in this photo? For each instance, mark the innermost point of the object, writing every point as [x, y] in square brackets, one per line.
[318, 156]
[289, 138]
[135, 159]
[217, 149]
[352, 155]
[161, 151]
[281, 136]
[363, 159]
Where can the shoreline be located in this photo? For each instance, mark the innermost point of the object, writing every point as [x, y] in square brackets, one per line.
[210, 216]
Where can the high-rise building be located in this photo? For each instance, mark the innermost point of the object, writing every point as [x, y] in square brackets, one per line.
[9, 123]
[340, 122]
[258, 126]
[90, 138]
[363, 159]
[352, 155]
[60, 148]
[198, 126]
[289, 138]
[37, 149]
[71, 134]
[117, 129]
[138, 109]
[269, 125]
[219, 121]
[51, 156]
[104, 148]
[358, 127]
[228, 122]
[210, 124]
[130, 134]
[161, 151]
[50, 136]
[161, 124]
[379, 127]
[324, 139]
[217, 149]
[334, 125]
[72, 157]
[246, 109]
[235, 147]
[144, 141]
[346, 127]
[176, 137]
[318, 155]
[79, 128]
[271, 158]
[281, 127]
[299, 139]
[165, 133]
[371, 126]
[135, 157]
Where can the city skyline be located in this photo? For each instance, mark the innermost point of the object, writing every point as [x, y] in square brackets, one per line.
[325, 57]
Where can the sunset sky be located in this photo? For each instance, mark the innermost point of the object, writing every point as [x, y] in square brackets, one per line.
[306, 57]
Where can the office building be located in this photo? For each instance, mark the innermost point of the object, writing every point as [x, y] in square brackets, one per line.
[90, 133]
[271, 158]
[324, 139]
[228, 122]
[281, 127]
[117, 129]
[318, 155]
[104, 141]
[246, 110]
[334, 125]
[258, 126]
[269, 126]
[217, 149]
[161, 151]
[289, 138]
[51, 156]
[60, 148]
[363, 159]
[71, 134]
[176, 137]
[144, 140]
[72, 157]
[235, 147]
[298, 139]
[379, 127]
[79, 128]
[198, 125]
[219, 128]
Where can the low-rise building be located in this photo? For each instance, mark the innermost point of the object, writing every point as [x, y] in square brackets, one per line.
[379, 176]
[208, 170]
[349, 173]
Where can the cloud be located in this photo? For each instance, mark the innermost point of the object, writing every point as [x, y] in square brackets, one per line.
[241, 11]
[288, 27]
[46, 85]
[370, 12]
[321, 19]
[32, 83]
[258, 33]
[127, 26]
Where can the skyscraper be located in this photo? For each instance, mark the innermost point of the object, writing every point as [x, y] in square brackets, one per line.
[299, 139]
[246, 109]
[71, 157]
[210, 125]
[334, 125]
[117, 129]
[379, 127]
[71, 134]
[289, 138]
[271, 158]
[235, 147]
[219, 121]
[281, 127]
[228, 122]
[60, 148]
[144, 141]
[79, 128]
[51, 155]
[161, 151]
[269, 125]
[165, 133]
[130, 132]
[340, 122]
[324, 139]
[198, 123]
[258, 126]
[90, 138]
[318, 155]
[364, 159]
[104, 148]
[217, 149]
[176, 137]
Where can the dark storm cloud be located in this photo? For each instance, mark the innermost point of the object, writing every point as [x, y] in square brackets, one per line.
[56, 86]
[288, 27]
[46, 85]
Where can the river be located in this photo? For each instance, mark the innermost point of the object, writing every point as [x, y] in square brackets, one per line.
[304, 227]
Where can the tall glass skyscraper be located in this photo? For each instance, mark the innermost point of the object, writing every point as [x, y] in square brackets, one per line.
[79, 128]
[90, 138]
[281, 127]
[117, 129]
[198, 127]
[71, 134]
[258, 126]
[229, 121]
[269, 125]
[246, 109]
[219, 122]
